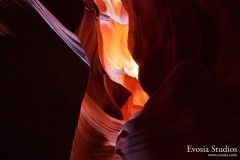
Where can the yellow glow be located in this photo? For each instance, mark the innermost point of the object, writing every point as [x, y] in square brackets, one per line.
[115, 57]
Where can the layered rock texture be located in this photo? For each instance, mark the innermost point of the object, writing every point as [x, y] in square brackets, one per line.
[186, 57]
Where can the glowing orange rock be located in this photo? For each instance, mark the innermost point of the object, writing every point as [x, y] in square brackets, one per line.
[114, 54]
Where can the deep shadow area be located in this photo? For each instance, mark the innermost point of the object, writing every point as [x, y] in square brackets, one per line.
[69, 12]
[42, 84]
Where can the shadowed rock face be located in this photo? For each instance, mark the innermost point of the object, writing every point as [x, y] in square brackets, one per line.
[42, 85]
[191, 50]
[198, 31]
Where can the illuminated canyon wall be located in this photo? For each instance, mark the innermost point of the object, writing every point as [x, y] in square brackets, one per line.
[147, 79]
[176, 63]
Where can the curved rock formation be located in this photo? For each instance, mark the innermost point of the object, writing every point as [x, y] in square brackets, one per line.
[188, 57]
[191, 50]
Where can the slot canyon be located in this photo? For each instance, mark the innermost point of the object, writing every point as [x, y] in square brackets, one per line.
[119, 79]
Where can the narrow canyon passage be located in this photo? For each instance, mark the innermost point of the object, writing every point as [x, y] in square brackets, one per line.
[117, 76]
[119, 79]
